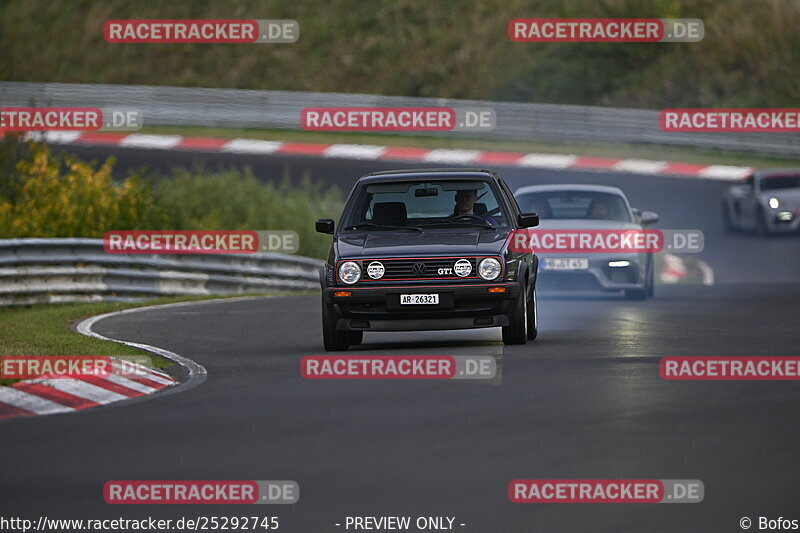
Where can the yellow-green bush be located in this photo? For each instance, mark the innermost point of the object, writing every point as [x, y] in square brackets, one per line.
[47, 195]
[61, 196]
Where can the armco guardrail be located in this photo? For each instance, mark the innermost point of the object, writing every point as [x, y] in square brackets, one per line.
[70, 270]
[235, 108]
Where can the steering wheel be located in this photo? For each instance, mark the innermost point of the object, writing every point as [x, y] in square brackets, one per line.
[468, 217]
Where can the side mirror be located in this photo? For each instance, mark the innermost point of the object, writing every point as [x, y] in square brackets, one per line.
[325, 225]
[528, 220]
[648, 217]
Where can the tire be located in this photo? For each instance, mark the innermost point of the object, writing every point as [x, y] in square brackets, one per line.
[726, 218]
[761, 224]
[516, 331]
[355, 337]
[533, 317]
[636, 294]
[333, 339]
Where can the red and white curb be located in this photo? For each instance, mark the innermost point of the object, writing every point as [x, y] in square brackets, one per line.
[69, 395]
[395, 153]
[65, 395]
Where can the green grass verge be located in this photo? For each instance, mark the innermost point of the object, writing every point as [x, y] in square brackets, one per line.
[47, 329]
[623, 151]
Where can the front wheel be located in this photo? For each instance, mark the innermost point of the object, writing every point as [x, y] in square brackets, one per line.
[516, 331]
[333, 339]
[533, 317]
[762, 229]
[726, 219]
[355, 337]
[636, 294]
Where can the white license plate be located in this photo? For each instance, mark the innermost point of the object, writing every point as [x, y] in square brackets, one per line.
[419, 299]
[565, 263]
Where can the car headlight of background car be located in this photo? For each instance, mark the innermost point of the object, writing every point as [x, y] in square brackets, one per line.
[349, 272]
[774, 203]
[489, 268]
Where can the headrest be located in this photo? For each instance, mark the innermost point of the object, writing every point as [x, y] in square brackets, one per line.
[390, 213]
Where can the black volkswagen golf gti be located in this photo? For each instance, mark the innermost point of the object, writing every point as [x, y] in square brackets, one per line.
[428, 250]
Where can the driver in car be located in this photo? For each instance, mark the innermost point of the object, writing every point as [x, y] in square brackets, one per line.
[466, 200]
[599, 210]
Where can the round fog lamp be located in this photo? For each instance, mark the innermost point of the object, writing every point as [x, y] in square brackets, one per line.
[462, 268]
[489, 268]
[375, 270]
[349, 272]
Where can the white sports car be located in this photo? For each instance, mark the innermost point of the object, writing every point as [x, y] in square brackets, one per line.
[589, 208]
[767, 201]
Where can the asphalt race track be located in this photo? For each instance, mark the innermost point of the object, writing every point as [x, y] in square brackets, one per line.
[583, 401]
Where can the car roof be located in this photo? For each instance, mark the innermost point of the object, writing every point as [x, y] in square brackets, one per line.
[434, 173]
[569, 187]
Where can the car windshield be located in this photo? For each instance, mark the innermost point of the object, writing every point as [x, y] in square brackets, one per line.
[788, 181]
[568, 205]
[425, 203]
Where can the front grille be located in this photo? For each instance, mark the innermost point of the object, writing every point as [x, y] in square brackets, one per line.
[439, 268]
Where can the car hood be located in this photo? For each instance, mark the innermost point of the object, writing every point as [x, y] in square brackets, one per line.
[791, 197]
[429, 243]
[582, 224]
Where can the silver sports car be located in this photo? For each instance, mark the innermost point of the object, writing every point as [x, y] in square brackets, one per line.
[586, 209]
[767, 201]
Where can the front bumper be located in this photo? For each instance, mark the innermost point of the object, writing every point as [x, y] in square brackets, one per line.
[598, 277]
[783, 221]
[461, 306]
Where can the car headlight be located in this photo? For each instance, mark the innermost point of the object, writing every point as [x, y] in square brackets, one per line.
[349, 272]
[489, 268]
[774, 203]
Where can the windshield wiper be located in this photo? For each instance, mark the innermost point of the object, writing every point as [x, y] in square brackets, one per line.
[461, 223]
[383, 226]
